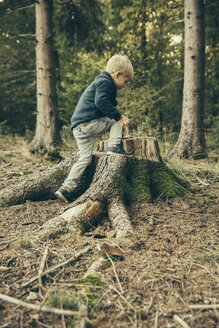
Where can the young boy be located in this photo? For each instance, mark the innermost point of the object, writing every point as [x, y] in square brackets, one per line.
[96, 114]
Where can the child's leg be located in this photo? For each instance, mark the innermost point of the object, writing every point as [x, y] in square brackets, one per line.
[115, 134]
[86, 136]
[85, 145]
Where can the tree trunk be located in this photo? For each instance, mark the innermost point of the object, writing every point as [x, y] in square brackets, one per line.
[47, 134]
[191, 141]
[109, 186]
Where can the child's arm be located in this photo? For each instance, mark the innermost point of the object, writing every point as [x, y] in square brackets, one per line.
[105, 100]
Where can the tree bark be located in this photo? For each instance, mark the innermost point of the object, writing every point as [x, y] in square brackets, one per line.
[191, 142]
[47, 134]
[109, 186]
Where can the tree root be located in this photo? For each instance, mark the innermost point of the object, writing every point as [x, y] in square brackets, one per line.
[111, 184]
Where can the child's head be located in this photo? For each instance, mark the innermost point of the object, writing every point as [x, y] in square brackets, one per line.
[121, 64]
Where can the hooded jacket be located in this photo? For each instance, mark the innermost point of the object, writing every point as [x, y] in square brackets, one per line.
[98, 100]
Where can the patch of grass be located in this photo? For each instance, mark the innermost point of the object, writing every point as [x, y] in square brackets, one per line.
[25, 243]
[58, 175]
[14, 149]
[64, 298]
[210, 256]
[27, 172]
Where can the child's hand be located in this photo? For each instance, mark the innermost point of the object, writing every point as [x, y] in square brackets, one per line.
[124, 121]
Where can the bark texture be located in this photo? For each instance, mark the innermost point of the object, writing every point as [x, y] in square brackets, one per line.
[109, 186]
[47, 134]
[191, 142]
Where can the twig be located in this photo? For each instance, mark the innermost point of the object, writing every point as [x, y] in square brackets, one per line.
[156, 319]
[73, 258]
[114, 269]
[63, 317]
[116, 290]
[42, 264]
[202, 182]
[2, 268]
[43, 261]
[38, 307]
[180, 321]
[203, 306]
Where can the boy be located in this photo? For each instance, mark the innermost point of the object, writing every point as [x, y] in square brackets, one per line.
[96, 114]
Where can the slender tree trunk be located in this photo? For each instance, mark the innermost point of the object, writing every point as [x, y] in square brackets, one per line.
[47, 134]
[191, 142]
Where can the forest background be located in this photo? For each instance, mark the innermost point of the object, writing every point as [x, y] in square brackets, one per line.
[86, 34]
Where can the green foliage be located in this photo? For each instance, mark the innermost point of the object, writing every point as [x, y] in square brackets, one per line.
[17, 70]
[86, 34]
[78, 24]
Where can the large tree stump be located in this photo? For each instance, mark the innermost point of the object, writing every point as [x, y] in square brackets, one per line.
[109, 185]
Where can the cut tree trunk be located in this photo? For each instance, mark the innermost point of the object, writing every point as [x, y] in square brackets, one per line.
[109, 185]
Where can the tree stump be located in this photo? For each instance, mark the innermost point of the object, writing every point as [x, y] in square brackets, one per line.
[109, 186]
[141, 147]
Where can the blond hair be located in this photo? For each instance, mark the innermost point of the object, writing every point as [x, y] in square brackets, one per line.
[122, 64]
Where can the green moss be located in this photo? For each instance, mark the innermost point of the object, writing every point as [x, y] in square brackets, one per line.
[139, 180]
[175, 176]
[143, 181]
[91, 279]
[27, 172]
[132, 185]
[165, 183]
[58, 175]
[58, 233]
[120, 186]
[92, 294]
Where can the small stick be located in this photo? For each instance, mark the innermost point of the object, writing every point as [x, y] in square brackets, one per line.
[114, 269]
[116, 290]
[63, 317]
[180, 321]
[42, 264]
[156, 320]
[73, 258]
[38, 307]
[203, 306]
[2, 268]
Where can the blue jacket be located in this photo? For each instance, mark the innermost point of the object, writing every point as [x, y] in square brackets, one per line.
[98, 100]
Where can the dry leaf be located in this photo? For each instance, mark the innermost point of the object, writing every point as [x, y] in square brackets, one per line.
[111, 234]
[111, 250]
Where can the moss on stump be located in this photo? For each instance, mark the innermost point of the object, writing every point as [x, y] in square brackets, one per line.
[144, 181]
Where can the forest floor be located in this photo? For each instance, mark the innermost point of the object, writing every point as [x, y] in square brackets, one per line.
[169, 263]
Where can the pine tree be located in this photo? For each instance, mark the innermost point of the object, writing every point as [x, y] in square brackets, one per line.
[191, 142]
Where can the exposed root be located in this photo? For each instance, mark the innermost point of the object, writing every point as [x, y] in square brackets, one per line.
[119, 218]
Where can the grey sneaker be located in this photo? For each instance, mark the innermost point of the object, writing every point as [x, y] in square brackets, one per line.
[118, 150]
[65, 194]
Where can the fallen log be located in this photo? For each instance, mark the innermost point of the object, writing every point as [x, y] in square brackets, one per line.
[109, 185]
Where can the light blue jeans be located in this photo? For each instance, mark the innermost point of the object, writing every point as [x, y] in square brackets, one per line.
[85, 135]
